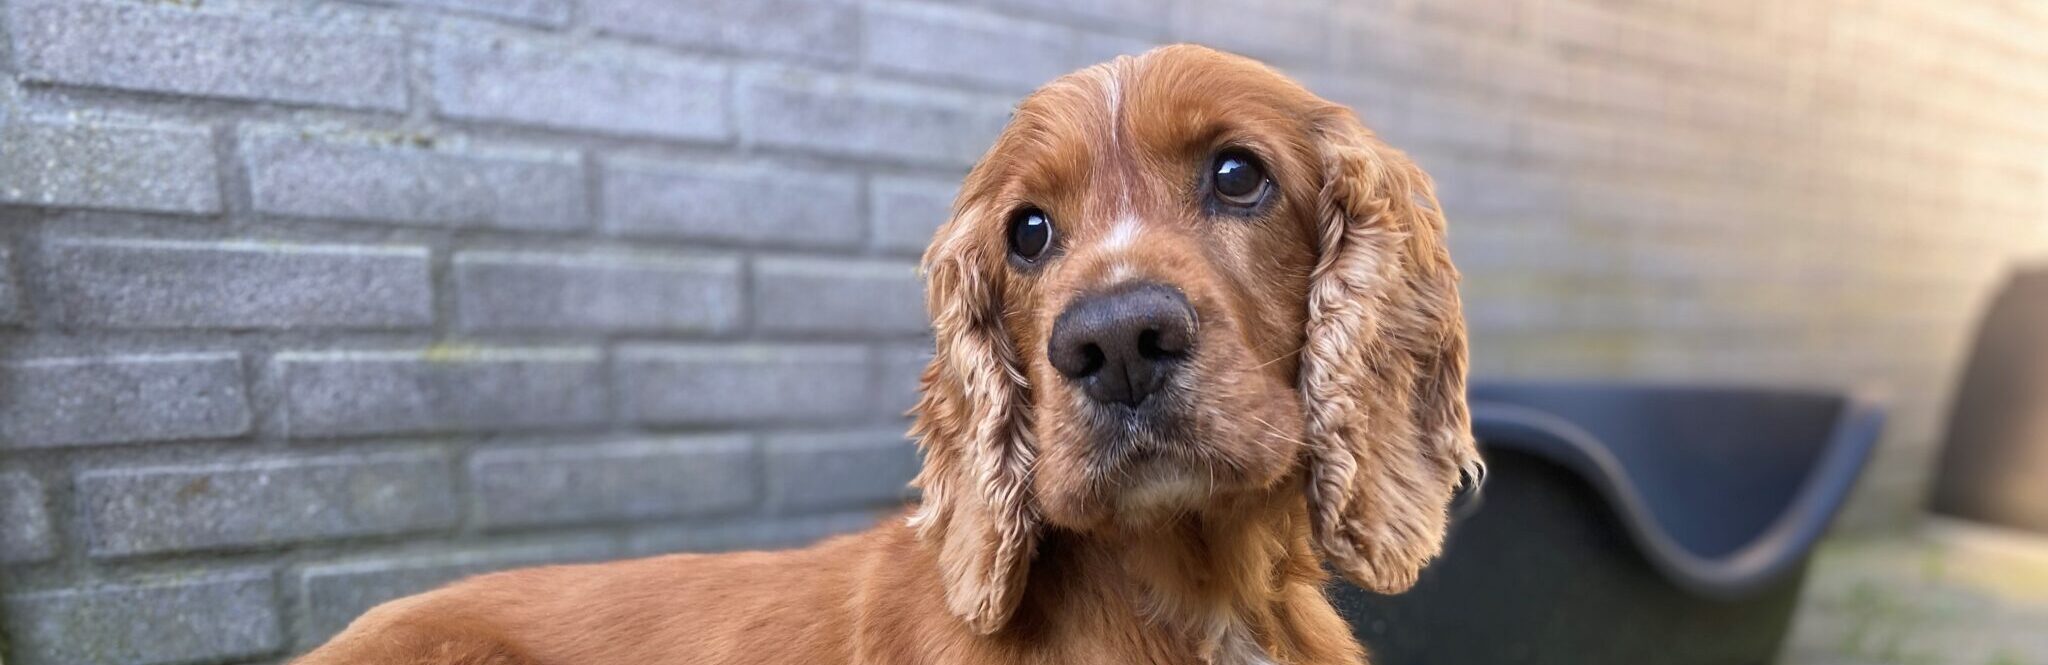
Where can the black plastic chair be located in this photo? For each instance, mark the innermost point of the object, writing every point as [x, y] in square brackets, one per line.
[1996, 459]
[1629, 524]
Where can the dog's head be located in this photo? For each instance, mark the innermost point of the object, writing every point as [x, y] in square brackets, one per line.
[1178, 278]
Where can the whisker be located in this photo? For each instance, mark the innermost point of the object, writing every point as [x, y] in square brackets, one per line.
[1278, 358]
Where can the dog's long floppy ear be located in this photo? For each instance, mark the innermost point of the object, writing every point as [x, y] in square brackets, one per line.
[1383, 372]
[972, 423]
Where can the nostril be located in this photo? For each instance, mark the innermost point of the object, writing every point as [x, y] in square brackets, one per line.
[1092, 360]
[1152, 346]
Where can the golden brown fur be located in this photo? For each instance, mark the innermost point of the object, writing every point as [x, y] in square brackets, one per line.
[1321, 419]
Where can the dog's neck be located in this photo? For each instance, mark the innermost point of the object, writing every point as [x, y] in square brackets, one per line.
[1213, 580]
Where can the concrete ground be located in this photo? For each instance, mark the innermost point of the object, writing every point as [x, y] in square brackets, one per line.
[1947, 594]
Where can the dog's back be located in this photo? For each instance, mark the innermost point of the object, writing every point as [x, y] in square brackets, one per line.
[796, 606]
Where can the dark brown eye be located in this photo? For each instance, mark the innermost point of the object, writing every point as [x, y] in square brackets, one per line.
[1030, 234]
[1238, 179]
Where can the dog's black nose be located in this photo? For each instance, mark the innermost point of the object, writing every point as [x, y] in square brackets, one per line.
[1121, 344]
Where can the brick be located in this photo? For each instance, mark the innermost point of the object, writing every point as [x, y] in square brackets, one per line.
[1369, 41]
[263, 502]
[1449, 120]
[1092, 48]
[965, 45]
[10, 295]
[838, 471]
[906, 211]
[849, 117]
[177, 50]
[139, 283]
[295, 175]
[1473, 190]
[25, 532]
[745, 203]
[341, 393]
[831, 295]
[1495, 15]
[110, 165]
[901, 377]
[1143, 14]
[616, 481]
[636, 92]
[692, 383]
[1576, 23]
[215, 617]
[333, 594]
[514, 291]
[748, 534]
[1282, 32]
[549, 13]
[822, 30]
[122, 399]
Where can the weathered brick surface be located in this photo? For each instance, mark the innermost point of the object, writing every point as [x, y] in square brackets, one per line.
[551, 13]
[822, 30]
[718, 383]
[26, 534]
[10, 295]
[238, 503]
[610, 291]
[907, 210]
[295, 175]
[812, 472]
[821, 296]
[845, 116]
[1142, 16]
[332, 594]
[753, 203]
[164, 48]
[747, 534]
[108, 164]
[341, 393]
[614, 481]
[544, 247]
[902, 372]
[1288, 32]
[121, 399]
[951, 43]
[494, 77]
[216, 617]
[138, 283]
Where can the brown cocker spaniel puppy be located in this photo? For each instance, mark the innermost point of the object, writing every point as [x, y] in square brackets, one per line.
[1198, 335]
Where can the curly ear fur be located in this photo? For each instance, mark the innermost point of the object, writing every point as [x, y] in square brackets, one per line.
[1383, 372]
[972, 423]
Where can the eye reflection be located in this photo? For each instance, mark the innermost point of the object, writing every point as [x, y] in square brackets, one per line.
[1237, 179]
[1030, 234]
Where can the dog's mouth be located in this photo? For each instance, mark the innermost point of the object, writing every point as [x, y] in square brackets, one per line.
[1161, 426]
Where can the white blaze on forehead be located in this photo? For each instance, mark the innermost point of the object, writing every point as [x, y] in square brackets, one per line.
[1121, 238]
[1112, 114]
[1123, 235]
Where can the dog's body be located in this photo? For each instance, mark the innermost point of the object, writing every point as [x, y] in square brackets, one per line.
[868, 597]
[1197, 336]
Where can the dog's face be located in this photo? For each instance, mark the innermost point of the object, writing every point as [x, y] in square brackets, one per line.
[1174, 279]
[1150, 227]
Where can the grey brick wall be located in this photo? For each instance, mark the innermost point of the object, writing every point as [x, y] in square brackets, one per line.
[307, 305]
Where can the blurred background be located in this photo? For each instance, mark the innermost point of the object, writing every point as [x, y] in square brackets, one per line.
[305, 305]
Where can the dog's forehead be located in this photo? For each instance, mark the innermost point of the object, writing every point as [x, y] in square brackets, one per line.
[1114, 138]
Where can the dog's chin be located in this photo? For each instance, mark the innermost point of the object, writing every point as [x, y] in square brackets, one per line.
[1156, 489]
[1159, 469]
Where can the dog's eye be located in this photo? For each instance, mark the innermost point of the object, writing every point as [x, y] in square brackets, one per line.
[1238, 179]
[1030, 233]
